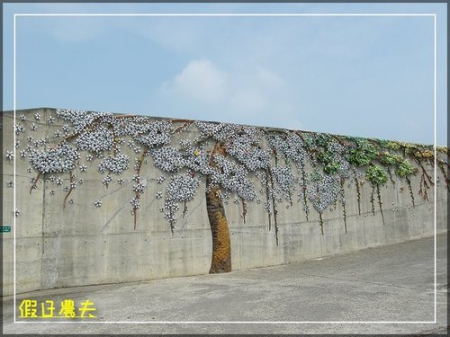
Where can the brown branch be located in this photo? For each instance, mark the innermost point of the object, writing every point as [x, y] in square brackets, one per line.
[186, 122]
[213, 152]
[358, 193]
[76, 134]
[372, 201]
[344, 210]
[275, 211]
[424, 172]
[380, 203]
[321, 223]
[423, 188]
[441, 165]
[70, 191]
[267, 198]
[298, 133]
[185, 209]
[125, 116]
[35, 181]
[408, 181]
[244, 208]
[138, 172]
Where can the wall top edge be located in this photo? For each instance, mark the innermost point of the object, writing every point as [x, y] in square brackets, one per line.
[265, 128]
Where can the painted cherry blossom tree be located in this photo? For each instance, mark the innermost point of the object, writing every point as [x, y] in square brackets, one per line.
[246, 164]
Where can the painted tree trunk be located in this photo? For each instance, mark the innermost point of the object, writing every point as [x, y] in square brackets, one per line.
[221, 254]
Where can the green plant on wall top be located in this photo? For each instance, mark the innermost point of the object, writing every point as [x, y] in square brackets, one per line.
[376, 175]
[405, 169]
[363, 153]
[227, 158]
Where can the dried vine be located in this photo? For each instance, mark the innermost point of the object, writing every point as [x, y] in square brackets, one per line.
[274, 206]
[244, 209]
[380, 204]
[344, 210]
[321, 223]
[35, 181]
[358, 194]
[70, 190]
[408, 181]
[372, 199]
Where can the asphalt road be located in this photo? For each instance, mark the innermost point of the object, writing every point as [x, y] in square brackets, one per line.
[385, 290]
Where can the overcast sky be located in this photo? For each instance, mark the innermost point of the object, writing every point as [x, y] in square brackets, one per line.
[359, 76]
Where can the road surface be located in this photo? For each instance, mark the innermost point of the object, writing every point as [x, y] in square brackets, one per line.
[380, 290]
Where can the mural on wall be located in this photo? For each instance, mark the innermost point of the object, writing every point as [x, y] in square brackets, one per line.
[237, 163]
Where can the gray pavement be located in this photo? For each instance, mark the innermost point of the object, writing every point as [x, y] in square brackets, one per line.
[385, 290]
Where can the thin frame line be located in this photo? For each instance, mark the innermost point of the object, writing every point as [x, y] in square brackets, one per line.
[435, 164]
[230, 322]
[227, 14]
[232, 15]
[14, 169]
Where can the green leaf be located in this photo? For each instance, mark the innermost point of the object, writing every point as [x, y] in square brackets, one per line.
[376, 175]
[405, 168]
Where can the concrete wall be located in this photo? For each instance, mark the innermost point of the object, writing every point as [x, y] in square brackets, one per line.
[80, 244]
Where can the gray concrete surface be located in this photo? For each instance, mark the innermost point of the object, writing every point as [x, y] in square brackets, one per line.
[392, 285]
[81, 244]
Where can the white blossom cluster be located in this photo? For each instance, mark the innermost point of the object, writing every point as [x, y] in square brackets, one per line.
[289, 145]
[96, 141]
[138, 188]
[135, 203]
[322, 190]
[167, 158]
[284, 177]
[66, 129]
[232, 177]
[245, 148]
[152, 134]
[209, 129]
[222, 132]
[197, 160]
[116, 165]
[80, 119]
[19, 128]
[130, 127]
[182, 187]
[60, 159]
[340, 153]
[169, 209]
[106, 180]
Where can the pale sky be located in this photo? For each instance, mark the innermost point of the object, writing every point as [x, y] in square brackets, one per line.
[368, 76]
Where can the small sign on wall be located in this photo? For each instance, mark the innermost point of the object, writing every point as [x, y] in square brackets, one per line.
[5, 229]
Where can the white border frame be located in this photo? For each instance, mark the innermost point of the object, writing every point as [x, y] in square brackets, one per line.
[434, 16]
